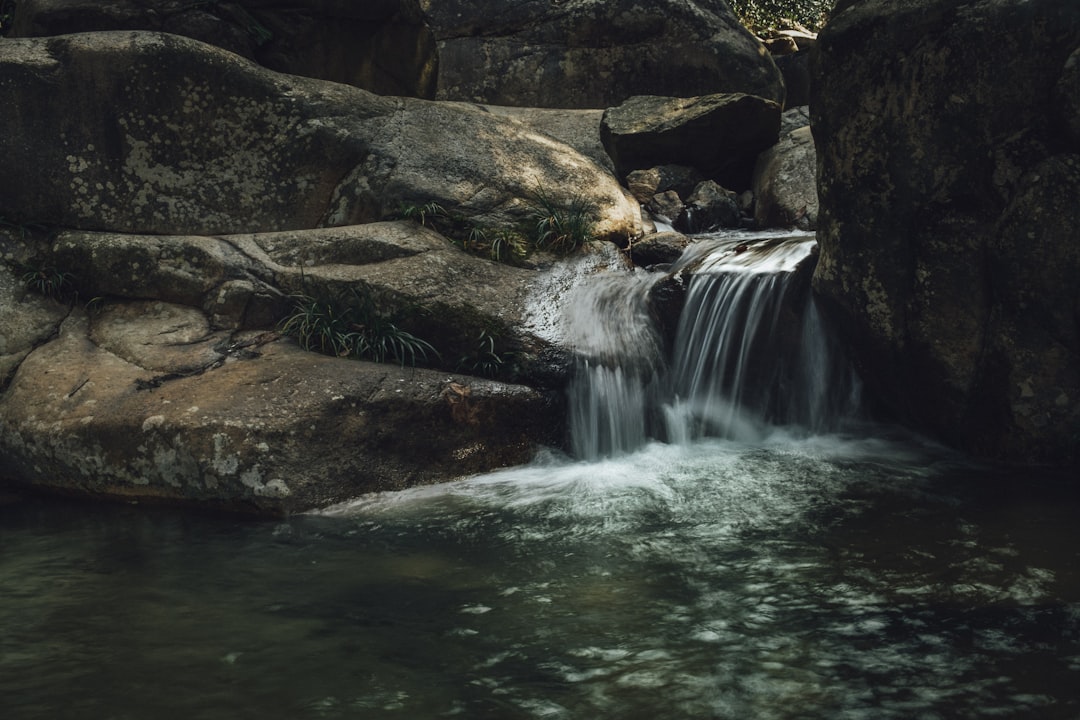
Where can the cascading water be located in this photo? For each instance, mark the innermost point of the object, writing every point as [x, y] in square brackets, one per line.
[773, 573]
[751, 352]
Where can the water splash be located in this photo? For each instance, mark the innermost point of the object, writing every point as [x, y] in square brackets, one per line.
[751, 352]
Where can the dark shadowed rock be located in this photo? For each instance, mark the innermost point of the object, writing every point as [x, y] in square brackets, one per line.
[380, 45]
[719, 135]
[566, 54]
[785, 183]
[588, 54]
[948, 191]
[659, 248]
[710, 207]
[644, 184]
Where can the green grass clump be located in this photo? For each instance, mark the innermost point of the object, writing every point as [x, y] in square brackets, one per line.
[351, 326]
[562, 228]
[549, 226]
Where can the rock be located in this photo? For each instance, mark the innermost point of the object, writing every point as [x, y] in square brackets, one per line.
[796, 73]
[27, 320]
[1068, 98]
[644, 184]
[275, 430]
[382, 46]
[566, 54]
[666, 206]
[580, 129]
[710, 207]
[659, 248]
[152, 133]
[718, 135]
[785, 183]
[589, 54]
[440, 293]
[929, 209]
[794, 119]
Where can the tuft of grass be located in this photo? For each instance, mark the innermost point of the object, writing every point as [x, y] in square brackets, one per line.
[351, 326]
[562, 228]
[483, 359]
[48, 281]
[426, 214]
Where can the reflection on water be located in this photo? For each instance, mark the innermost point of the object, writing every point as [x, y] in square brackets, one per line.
[790, 578]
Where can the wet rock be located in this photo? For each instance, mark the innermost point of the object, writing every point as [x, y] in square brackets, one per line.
[659, 248]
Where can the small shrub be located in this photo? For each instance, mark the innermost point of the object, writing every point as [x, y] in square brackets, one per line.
[351, 326]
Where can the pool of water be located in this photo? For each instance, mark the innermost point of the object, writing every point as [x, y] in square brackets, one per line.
[866, 576]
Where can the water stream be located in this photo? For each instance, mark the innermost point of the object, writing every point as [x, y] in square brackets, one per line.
[732, 540]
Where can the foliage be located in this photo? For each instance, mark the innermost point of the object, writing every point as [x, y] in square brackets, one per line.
[763, 15]
[350, 325]
[499, 244]
[25, 229]
[48, 281]
[551, 226]
[484, 359]
[562, 229]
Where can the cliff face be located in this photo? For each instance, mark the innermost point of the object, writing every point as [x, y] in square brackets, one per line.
[949, 174]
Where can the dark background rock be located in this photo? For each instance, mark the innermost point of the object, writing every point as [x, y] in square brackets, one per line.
[943, 170]
[531, 53]
[718, 135]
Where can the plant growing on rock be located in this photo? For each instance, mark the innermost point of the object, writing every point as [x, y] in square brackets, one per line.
[562, 228]
[483, 358]
[500, 244]
[48, 281]
[351, 326]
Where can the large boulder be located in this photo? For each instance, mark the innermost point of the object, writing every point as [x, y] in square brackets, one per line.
[113, 408]
[594, 53]
[948, 181]
[154, 133]
[380, 45]
[719, 135]
[167, 374]
[531, 53]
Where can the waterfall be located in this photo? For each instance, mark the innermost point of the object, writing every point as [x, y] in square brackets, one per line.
[751, 352]
[620, 363]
